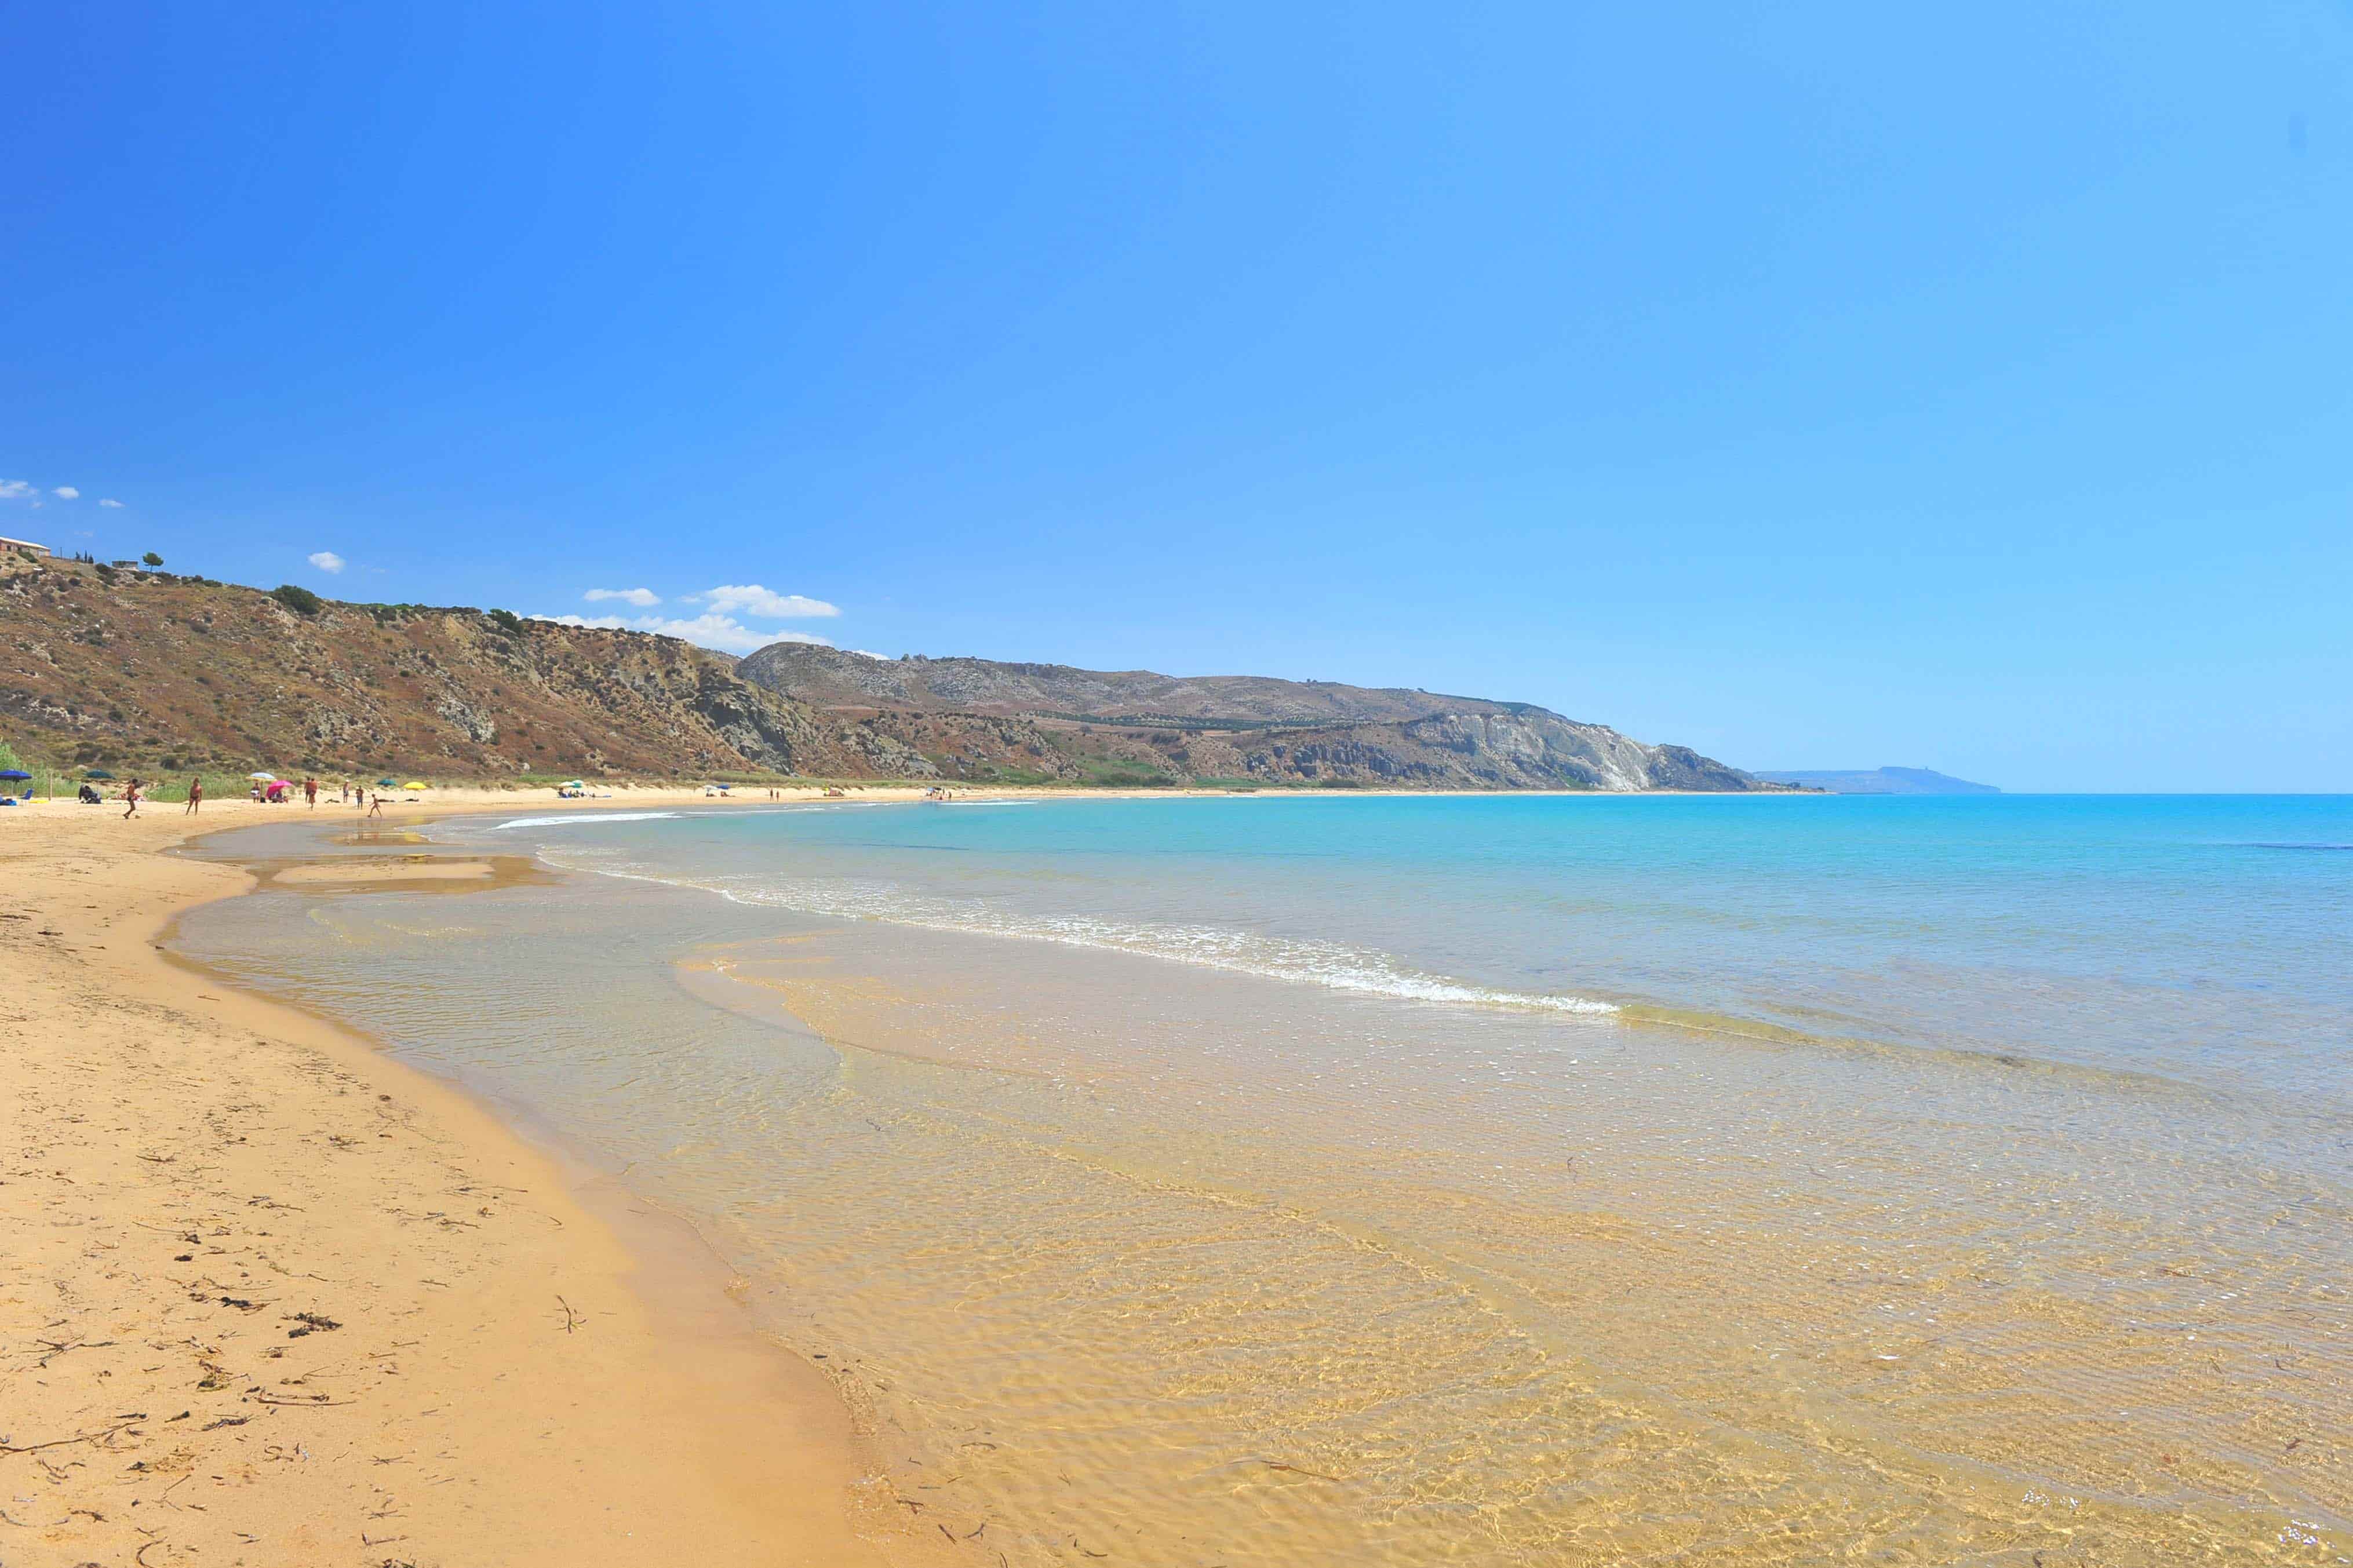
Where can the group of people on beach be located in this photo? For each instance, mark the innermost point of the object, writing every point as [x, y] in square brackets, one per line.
[346, 794]
[276, 791]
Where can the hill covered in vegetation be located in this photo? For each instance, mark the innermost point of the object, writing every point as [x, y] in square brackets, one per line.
[980, 719]
[146, 670]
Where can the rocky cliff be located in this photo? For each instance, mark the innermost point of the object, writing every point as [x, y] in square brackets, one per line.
[153, 670]
[981, 719]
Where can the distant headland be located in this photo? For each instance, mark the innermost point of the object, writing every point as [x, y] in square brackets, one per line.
[1876, 781]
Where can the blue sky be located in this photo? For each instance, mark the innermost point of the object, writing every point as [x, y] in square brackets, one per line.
[1815, 385]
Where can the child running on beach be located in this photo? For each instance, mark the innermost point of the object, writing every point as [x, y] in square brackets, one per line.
[196, 794]
[130, 797]
[377, 809]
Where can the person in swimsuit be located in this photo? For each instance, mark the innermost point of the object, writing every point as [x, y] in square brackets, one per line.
[195, 795]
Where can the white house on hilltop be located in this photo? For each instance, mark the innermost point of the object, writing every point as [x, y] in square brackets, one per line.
[23, 547]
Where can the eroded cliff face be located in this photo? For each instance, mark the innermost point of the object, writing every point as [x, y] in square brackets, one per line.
[101, 666]
[1470, 751]
[979, 720]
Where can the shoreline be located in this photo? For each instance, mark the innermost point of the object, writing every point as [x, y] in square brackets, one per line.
[1789, 1273]
[524, 1360]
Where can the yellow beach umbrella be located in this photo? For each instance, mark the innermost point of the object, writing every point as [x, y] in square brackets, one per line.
[413, 783]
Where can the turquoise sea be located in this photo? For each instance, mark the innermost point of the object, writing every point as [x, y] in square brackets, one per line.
[1500, 1180]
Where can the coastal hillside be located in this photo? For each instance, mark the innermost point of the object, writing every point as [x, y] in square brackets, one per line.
[830, 677]
[154, 671]
[978, 719]
[147, 672]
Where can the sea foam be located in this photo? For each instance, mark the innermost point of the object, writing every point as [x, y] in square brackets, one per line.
[584, 816]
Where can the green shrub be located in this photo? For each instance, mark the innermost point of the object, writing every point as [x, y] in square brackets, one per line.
[301, 600]
[1119, 772]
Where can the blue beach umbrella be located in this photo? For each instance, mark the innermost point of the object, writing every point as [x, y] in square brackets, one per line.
[14, 773]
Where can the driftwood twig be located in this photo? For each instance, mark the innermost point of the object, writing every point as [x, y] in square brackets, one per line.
[61, 1442]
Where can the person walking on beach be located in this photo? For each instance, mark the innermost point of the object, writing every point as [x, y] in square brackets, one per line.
[130, 798]
[377, 809]
[196, 794]
[310, 792]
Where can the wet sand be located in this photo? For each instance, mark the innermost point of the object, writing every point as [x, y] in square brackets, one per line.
[272, 1298]
[406, 868]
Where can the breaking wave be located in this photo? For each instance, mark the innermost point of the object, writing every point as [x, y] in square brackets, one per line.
[579, 817]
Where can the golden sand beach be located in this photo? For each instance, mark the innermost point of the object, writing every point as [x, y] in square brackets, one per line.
[272, 1297]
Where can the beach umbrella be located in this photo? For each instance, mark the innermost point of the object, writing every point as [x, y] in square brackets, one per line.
[14, 773]
[263, 778]
[97, 774]
[387, 784]
[413, 783]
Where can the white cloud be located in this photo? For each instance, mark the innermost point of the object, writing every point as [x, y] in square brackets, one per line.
[643, 599]
[109, 500]
[711, 630]
[15, 490]
[326, 561]
[863, 653]
[65, 492]
[723, 632]
[751, 599]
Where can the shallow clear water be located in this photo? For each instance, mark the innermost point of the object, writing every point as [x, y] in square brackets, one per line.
[2205, 938]
[1308, 1181]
